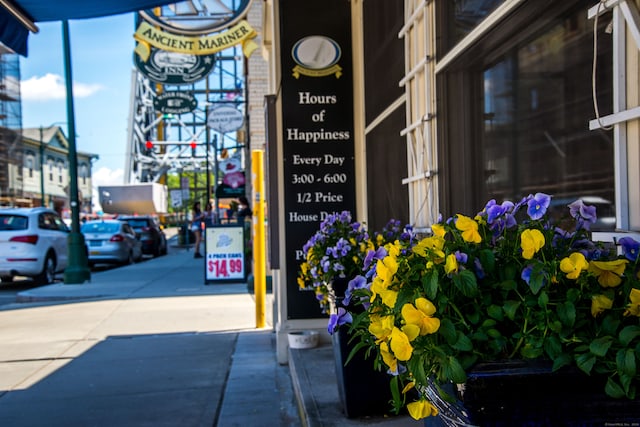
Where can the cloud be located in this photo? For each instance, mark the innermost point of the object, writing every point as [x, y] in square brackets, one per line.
[104, 176]
[52, 86]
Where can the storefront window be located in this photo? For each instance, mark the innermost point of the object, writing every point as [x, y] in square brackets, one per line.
[537, 104]
[463, 16]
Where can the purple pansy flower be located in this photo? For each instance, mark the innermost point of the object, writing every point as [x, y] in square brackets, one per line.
[358, 282]
[537, 205]
[342, 317]
[630, 248]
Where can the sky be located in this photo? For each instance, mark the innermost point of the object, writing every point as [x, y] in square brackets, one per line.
[101, 66]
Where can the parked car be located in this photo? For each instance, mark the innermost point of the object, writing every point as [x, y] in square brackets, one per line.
[33, 243]
[150, 234]
[111, 242]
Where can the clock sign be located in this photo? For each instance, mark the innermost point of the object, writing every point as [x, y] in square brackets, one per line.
[316, 56]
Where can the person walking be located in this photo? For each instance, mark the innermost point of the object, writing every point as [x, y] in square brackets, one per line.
[197, 217]
[210, 215]
[244, 210]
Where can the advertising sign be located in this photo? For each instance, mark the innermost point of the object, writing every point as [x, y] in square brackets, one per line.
[224, 253]
[317, 125]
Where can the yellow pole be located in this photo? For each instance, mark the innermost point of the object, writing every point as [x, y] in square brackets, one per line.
[259, 256]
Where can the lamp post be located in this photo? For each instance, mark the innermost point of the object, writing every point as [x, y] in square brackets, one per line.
[41, 169]
[77, 270]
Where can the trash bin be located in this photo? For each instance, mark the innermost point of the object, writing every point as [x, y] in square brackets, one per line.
[185, 235]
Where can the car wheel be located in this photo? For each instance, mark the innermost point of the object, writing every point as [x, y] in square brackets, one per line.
[156, 250]
[129, 259]
[48, 271]
[163, 251]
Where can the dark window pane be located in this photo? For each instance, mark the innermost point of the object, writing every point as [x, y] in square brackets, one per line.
[537, 104]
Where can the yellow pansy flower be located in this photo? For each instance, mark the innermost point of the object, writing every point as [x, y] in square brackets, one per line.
[608, 272]
[388, 358]
[633, 308]
[420, 315]
[400, 345]
[600, 303]
[469, 229]
[531, 241]
[451, 265]
[381, 326]
[421, 409]
[389, 297]
[573, 265]
[438, 230]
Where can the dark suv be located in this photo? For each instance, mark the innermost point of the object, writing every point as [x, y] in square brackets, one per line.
[150, 234]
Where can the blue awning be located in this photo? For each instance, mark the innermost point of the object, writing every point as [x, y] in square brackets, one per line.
[14, 34]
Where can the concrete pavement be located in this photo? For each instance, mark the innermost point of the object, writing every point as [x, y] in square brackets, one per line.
[151, 344]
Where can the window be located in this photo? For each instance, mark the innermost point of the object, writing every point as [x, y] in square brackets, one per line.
[527, 101]
[60, 169]
[50, 163]
[29, 161]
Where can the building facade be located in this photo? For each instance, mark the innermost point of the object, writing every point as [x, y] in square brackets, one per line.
[44, 171]
[457, 102]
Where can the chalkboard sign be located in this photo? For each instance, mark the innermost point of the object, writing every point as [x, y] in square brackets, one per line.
[317, 118]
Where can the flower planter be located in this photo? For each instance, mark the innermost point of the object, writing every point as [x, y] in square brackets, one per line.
[515, 393]
[363, 390]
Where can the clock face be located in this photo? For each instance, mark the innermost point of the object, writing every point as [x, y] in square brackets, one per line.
[316, 52]
[195, 18]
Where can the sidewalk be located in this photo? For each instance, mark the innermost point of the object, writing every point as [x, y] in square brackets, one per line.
[257, 390]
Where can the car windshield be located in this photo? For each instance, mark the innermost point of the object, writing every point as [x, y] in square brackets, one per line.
[13, 222]
[100, 227]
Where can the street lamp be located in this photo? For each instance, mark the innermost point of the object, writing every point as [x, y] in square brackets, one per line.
[42, 192]
[77, 270]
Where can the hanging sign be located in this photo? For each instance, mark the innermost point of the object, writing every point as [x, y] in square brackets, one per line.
[149, 36]
[225, 119]
[224, 248]
[174, 68]
[175, 102]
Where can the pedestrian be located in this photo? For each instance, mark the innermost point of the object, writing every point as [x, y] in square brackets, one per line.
[244, 210]
[197, 217]
[210, 215]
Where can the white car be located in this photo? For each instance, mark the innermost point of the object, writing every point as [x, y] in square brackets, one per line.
[33, 243]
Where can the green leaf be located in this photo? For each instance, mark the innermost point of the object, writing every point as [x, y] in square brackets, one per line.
[543, 299]
[530, 352]
[553, 346]
[562, 360]
[448, 331]
[626, 362]
[488, 260]
[536, 281]
[454, 371]
[585, 362]
[613, 389]
[567, 313]
[430, 284]
[495, 312]
[628, 334]
[466, 282]
[600, 346]
[510, 308]
[463, 343]
[508, 285]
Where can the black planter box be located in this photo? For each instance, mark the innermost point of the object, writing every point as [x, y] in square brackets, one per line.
[525, 394]
[363, 390]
